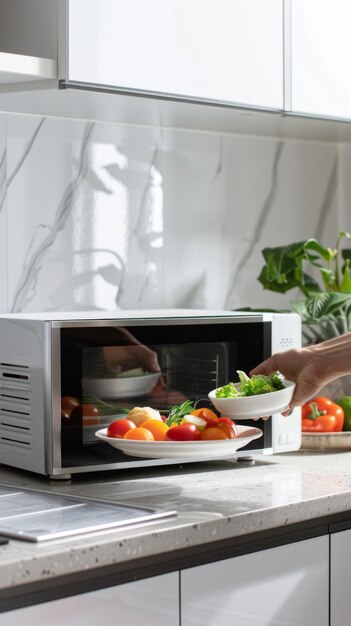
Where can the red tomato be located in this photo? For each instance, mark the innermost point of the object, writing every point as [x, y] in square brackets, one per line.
[118, 428]
[226, 420]
[68, 403]
[84, 410]
[229, 423]
[228, 430]
[206, 414]
[183, 432]
[210, 422]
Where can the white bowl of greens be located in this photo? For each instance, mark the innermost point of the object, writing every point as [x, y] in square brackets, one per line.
[259, 396]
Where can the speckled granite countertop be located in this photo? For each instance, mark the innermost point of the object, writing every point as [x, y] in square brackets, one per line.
[217, 500]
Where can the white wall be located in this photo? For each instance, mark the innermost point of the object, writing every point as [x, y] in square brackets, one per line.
[99, 216]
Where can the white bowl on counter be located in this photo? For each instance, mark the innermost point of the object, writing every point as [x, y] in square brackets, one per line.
[247, 407]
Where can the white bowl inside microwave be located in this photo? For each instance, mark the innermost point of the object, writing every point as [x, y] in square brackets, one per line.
[114, 387]
[247, 407]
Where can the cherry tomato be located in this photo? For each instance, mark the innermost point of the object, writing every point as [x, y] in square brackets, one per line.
[91, 421]
[118, 428]
[157, 428]
[211, 423]
[228, 422]
[68, 403]
[184, 432]
[139, 433]
[65, 414]
[213, 433]
[84, 411]
[205, 413]
[227, 429]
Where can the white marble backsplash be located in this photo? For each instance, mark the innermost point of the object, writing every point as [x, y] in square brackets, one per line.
[103, 216]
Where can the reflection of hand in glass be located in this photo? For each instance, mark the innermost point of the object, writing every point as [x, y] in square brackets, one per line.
[135, 354]
[119, 358]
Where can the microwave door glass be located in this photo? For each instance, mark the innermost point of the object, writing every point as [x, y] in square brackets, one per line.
[105, 372]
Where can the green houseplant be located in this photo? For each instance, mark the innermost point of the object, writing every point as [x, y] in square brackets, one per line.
[322, 275]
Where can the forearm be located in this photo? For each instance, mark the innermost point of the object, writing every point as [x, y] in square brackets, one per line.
[334, 356]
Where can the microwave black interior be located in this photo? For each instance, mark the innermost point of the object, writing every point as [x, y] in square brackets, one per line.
[108, 368]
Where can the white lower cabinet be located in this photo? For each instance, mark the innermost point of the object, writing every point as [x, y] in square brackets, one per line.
[283, 586]
[150, 602]
[340, 578]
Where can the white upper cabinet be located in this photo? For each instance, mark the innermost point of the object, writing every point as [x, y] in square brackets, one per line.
[216, 50]
[320, 57]
[28, 40]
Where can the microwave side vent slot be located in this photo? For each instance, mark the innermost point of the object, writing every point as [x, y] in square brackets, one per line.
[15, 395]
[12, 374]
[15, 404]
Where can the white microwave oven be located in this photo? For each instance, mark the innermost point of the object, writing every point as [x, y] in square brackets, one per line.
[45, 357]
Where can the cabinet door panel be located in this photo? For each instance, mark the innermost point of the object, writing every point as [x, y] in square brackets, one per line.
[340, 576]
[150, 602]
[276, 587]
[215, 49]
[321, 49]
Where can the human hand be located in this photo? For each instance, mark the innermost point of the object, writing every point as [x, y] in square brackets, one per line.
[127, 357]
[302, 366]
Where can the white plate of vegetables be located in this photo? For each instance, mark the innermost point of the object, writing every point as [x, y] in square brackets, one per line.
[258, 396]
[187, 433]
[204, 450]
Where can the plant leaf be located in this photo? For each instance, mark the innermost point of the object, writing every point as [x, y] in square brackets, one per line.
[345, 284]
[322, 306]
[284, 266]
[345, 234]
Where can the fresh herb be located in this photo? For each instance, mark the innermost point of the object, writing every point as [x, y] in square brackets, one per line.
[105, 408]
[251, 386]
[177, 412]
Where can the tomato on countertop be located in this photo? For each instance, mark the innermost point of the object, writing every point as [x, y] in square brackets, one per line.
[332, 414]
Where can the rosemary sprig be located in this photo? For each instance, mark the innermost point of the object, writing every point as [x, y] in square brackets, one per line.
[177, 412]
[90, 398]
